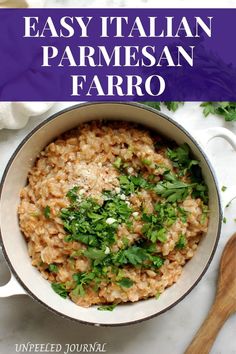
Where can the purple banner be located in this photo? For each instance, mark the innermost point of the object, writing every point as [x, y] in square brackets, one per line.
[117, 54]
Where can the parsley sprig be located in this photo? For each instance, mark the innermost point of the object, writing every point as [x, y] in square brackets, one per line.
[181, 159]
[93, 224]
[171, 105]
[181, 242]
[227, 110]
[184, 163]
[60, 289]
[157, 224]
[170, 188]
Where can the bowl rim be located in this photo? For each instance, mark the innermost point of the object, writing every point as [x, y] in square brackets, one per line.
[170, 120]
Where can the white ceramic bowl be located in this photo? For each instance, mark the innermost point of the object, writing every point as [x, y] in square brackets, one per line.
[27, 279]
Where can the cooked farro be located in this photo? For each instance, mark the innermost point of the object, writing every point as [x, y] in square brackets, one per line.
[111, 213]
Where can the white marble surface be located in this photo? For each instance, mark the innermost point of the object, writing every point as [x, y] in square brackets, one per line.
[23, 320]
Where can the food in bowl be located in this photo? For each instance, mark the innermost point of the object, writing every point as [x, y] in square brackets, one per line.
[111, 213]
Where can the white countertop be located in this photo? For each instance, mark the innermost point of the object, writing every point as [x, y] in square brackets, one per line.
[23, 320]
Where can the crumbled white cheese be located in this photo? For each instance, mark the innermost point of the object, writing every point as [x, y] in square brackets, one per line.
[110, 221]
[122, 197]
[107, 250]
[117, 190]
[135, 214]
[130, 170]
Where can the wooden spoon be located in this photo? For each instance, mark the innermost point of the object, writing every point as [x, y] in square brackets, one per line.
[224, 304]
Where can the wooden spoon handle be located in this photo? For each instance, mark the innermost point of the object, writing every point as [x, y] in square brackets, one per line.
[205, 337]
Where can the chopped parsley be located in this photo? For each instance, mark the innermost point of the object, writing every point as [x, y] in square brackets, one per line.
[101, 265]
[94, 254]
[126, 282]
[137, 256]
[107, 307]
[81, 279]
[147, 162]
[53, 268]
[88, 222]
[47, 212]
[205, 212]
[157, 261]
[227, 110]
[59, 289]
[182, 242]
[185, 164]
[130, 184]
[117, 163]
[72, 194]
[170, 188]
[223, 188]
[96, 226]
[224, 220]
[181, 159]
[133, 255]
[171, 105]
[156, 224]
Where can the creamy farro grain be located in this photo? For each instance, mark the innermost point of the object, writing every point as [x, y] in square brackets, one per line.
[85, 158]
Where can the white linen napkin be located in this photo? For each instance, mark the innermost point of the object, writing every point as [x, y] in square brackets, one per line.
[15, 115]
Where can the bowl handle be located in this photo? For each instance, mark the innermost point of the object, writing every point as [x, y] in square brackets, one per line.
[203, 137]
[11, 288]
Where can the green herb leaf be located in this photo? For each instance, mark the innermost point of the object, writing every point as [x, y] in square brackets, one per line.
[181, 242]
[173, 191]
[227, 110]
[117, 163]
[181, 159]
[146, 162]
[53, 268]
[172, 106]
[86, 221]
[157, 235]
[72, 194]
[156, 105]
[133, 255]
[94, 254]
[125, 282]
[157, 261]
[59, 289]
[107, 307]
[47, 212]
[130, 184]
[78, 290]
